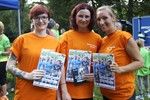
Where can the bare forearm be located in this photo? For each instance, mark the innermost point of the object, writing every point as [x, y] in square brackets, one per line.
[63, 86]
[7, 52]
[12, 66]
[132, 66]
[63, 77]
[63, 81]
[127, 68]
[15, 71]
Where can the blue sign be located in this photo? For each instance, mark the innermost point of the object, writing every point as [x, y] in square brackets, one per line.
[141, 28]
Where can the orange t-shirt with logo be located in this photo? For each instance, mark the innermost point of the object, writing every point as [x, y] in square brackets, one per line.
[27, 48]
[116, 44]
[80, 41]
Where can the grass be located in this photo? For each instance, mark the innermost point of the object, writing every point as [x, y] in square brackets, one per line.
[97, 95]
[11, 95]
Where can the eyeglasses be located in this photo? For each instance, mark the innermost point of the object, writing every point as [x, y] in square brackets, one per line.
[44, 18]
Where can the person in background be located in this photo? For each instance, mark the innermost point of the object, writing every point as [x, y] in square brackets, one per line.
[118, 25]
[55, 30]
[81, 37]
[143, 73]
[4, 52]
[25, 54]
[50, 26]
[31, 27]
[126, 54]
[62, 31]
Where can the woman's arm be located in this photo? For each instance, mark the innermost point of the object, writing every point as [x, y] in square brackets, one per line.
[13, 69]
[64, 92]
[7, 51]
[133, 51]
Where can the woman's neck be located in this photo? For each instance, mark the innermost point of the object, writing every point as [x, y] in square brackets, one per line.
[40, 33]
[83, 30]
[110, 31]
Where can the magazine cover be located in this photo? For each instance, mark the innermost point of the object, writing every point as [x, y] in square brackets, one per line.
[78, 64]
[102, 74]
[52, 63]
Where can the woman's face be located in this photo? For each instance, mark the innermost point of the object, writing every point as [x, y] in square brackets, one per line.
[83, 18]
[105, 21]
[40, 22]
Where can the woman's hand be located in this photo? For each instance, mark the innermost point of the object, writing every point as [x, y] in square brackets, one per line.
[35, 75]
[66, 96]
[88, 77]
[115, 68]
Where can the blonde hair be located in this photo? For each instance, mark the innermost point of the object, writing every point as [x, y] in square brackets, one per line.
[2, 26]
[108, 9]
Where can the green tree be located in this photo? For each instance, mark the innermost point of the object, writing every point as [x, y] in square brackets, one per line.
[61, 9]
[9, 18]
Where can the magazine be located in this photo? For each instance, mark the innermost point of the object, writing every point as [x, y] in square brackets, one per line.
[53, 63]
[103, 76]
[79, 62]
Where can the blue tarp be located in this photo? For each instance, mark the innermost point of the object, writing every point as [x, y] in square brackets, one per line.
[141, 29]
[125, 22]
[9, 4]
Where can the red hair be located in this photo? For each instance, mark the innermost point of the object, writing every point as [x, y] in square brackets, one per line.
[37, 10]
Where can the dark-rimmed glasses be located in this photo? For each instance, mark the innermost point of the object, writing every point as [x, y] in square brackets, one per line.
[44, 18]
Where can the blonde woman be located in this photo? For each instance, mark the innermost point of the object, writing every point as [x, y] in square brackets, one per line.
[126, 54]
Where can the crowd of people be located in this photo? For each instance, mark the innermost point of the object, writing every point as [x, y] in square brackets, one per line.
[130, 55]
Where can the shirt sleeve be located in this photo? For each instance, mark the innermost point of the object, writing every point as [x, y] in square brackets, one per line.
[16, 46]
[125, 36]
[63, 44]
[7, 43]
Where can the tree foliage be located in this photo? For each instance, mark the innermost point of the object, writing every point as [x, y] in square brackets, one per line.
[61, 9]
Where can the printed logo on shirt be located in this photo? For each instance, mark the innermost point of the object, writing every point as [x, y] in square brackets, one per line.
[110, 48]
[91, 45]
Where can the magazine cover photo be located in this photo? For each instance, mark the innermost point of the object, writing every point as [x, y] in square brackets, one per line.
[53, 63]
[78, 64]
[103, 77]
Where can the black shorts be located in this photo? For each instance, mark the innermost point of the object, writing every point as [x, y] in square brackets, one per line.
[2, 73]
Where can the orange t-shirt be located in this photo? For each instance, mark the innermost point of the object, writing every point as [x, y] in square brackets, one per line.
[27, 48]
[80, 41]
[116, 44]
